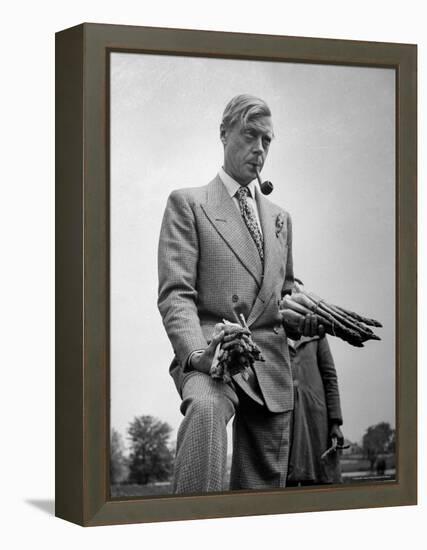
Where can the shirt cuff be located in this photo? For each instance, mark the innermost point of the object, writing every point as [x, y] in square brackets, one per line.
[187, 366]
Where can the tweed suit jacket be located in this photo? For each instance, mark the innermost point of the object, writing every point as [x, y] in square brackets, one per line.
[209, 267]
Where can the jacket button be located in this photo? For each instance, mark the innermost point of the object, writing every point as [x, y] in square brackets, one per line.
[235, 298]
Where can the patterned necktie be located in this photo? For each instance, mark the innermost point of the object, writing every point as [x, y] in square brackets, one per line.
[250, 219]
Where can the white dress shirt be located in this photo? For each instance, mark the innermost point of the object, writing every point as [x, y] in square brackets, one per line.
[232, 187]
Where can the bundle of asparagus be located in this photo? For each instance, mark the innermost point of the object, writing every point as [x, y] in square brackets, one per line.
[236, 353]
[347, 325]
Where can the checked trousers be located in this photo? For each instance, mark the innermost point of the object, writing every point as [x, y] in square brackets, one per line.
[260, 439]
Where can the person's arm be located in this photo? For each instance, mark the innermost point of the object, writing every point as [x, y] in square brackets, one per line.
[330, 384]
[178, 256]
[177, 301]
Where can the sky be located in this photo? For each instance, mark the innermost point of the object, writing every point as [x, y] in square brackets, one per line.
[332, 163]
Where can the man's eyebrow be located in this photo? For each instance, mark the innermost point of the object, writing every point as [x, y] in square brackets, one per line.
[258, 127]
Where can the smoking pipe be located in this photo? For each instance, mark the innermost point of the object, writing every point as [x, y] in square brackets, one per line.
[266, 186]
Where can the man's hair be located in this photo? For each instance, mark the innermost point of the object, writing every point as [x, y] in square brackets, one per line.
[243, 108]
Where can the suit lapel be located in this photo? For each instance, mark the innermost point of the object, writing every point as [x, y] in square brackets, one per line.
[226, 219]
[273, 255]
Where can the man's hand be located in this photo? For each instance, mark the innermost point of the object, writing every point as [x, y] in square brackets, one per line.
[226, 333]
[296, 325]
[336, 433]
[310, 326]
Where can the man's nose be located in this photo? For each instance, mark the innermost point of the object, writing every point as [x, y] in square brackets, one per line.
[258, 146]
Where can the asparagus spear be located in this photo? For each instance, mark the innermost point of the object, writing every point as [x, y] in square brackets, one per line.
[365, 320]
[303, 305]
[346, 312]
[337, 321]
[353, 324]
[337, 327]
[236, 356]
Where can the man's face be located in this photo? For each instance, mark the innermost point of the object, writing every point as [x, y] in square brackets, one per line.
[246, 148]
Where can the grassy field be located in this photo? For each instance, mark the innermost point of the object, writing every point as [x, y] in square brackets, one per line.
[158, 489]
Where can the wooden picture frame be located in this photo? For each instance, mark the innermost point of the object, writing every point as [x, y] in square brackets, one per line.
[82, 268]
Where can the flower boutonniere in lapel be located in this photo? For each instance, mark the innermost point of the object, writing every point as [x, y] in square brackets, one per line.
[280, 220]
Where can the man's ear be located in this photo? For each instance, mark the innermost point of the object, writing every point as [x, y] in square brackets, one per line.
[222, 133]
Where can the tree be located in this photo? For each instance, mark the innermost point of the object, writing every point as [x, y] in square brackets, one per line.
[377, 440]
[150, 458]
[391, 448]
[118, 461]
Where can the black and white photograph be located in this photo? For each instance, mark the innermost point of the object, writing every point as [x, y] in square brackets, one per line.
[213, 253]
[252, 275]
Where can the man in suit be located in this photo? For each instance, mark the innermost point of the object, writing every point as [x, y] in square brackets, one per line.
[225, 249]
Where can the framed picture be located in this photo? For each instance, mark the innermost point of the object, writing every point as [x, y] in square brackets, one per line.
[170, 260]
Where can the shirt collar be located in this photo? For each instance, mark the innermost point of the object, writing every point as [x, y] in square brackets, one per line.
[231, 184]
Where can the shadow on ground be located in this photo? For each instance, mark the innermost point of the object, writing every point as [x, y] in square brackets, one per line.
[47, 506]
